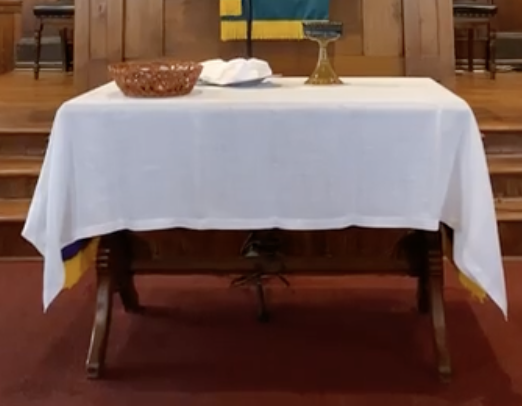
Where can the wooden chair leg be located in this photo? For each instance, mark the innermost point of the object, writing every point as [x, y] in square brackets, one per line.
[471, 44]
[487, 58]
[64, 51]
[492, 52]
[70, 54]
[38, 48]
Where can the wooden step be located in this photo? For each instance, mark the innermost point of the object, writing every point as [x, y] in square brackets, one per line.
[23, 143]
[30, 165]
[505, 164]
[20, 166]
[18, 176]
[503, 142]
[509, 209]
[14, 210]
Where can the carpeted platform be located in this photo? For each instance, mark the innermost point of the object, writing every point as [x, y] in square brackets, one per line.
[343, 342]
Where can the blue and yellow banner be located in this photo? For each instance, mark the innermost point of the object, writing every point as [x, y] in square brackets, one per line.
[272, 19]
[78, 258]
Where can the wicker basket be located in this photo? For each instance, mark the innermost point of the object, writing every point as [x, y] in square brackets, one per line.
[158, 78]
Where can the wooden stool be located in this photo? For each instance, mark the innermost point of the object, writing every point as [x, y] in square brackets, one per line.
[61, 15]
[470, 16]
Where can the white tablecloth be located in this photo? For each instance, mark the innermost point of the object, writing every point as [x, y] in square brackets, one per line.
[376, 152]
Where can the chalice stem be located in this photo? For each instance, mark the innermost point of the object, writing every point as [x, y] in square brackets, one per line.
[323, 63]
[323, 51]
[323, 73]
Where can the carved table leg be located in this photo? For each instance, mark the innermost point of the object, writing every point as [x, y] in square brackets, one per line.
[113, 273]
[38, 48]
[423, 294]
[123, 276]
[425, 257]
[415, 247]
[436, 289]
[102, 319]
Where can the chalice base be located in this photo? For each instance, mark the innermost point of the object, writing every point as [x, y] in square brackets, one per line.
[323, 73]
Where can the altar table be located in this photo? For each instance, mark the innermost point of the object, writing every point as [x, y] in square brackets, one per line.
[376, 152]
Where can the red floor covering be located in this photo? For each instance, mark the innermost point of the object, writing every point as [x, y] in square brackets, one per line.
[340, 342]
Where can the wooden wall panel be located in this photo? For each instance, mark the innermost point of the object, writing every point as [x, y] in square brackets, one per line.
[99, 40]
[28, 21]
[376, 37]
[429, 34]
[145, 28]
[509, 19]
[446, 39]
[10, 11]
[428, 47]
[99, 30]
[115, 41]
[351, 43]
[382, 28]
[509, 15]
[193, 34]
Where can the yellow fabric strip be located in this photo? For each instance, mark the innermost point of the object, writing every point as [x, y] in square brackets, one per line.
[476, 291]
[262, 30]
[80, 263]
[230, 8]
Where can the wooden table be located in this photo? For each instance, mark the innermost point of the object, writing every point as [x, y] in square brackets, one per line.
[275, 253]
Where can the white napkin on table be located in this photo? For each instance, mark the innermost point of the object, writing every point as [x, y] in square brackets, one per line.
[222, 73]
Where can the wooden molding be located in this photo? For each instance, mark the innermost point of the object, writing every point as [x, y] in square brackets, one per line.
[10, 6]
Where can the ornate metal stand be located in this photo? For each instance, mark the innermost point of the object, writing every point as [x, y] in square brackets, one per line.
[425, 257]
[264, 248]
[323, 33]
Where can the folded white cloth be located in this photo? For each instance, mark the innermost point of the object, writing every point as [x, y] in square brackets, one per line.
[222, 73]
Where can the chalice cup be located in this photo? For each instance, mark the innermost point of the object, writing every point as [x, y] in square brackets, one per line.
[323, 32]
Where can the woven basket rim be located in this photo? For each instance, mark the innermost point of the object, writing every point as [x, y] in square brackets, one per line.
[153, 63]
[148, 79]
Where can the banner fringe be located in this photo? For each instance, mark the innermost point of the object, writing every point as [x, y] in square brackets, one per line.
[262, 30]
[475, 290]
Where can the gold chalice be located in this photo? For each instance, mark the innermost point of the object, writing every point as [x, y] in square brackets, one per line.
[323, 32]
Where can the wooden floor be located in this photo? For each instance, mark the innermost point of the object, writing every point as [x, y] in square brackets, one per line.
[29, 106]
[496, 103]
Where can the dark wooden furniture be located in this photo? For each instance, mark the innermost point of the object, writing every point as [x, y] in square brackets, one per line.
[471, 15]
[260, 255]
[10, 11]
[59, 14]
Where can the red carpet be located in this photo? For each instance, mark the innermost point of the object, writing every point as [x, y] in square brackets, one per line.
[347, 342]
